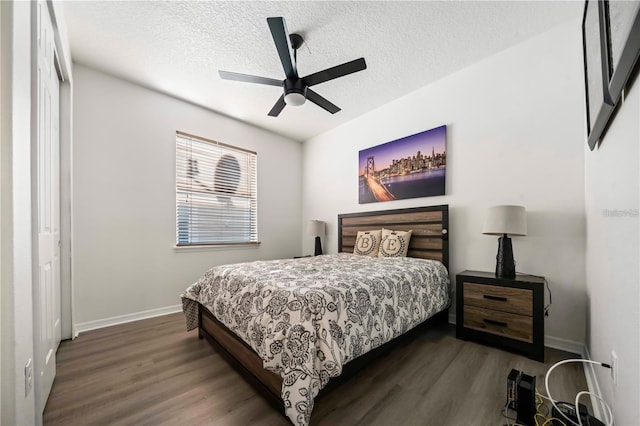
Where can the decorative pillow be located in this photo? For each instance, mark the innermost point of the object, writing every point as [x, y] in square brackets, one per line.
[367, 243]
[394, 243]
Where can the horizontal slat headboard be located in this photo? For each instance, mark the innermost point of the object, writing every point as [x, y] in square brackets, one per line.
[430, 226]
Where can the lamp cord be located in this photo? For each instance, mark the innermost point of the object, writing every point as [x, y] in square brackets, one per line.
[546, 283]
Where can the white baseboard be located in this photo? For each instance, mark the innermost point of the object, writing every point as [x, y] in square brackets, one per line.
[565, 345]
[121, 319]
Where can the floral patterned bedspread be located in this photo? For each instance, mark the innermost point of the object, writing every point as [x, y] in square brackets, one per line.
[307, 317]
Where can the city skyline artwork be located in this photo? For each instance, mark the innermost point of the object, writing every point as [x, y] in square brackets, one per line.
[410, 167]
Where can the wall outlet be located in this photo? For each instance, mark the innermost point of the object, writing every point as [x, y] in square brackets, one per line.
[614, 368]
[28, 377]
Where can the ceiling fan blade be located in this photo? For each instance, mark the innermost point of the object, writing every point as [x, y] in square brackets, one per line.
[227, 75]
[280, 36]
[335, 72]
[278, 107]
[321, 102]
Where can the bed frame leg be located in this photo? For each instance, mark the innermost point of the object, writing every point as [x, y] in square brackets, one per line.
[200, 331]
[442, 317]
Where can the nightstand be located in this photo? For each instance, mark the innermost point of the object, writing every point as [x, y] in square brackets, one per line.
[501, 311]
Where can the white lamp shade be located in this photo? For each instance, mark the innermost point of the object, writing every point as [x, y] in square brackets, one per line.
[315, 228]
[510, 220]
[294, 99]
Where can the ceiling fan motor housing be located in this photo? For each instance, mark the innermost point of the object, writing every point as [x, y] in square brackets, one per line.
[295, 91]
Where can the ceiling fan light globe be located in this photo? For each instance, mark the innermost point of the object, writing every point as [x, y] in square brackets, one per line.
[294, 99]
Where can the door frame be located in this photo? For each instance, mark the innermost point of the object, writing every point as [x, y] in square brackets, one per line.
[16, 340]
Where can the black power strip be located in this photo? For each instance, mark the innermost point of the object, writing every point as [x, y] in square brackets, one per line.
[569, 410]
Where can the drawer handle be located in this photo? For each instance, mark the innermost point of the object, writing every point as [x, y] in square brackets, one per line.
[493, 322]
[498, 298]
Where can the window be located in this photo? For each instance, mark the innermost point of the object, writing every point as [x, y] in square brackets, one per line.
[216, 193]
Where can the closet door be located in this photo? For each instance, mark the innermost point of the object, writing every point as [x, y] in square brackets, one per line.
[46, 293]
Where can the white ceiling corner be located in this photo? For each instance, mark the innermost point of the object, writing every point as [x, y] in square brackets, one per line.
[178, 48]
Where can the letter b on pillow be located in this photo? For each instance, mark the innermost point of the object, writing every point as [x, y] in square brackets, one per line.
[367, 243]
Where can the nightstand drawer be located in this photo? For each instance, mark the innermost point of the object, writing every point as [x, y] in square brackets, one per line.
[505, 324]
[506, 299]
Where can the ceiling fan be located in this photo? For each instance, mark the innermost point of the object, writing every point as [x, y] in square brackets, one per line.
[296, 89]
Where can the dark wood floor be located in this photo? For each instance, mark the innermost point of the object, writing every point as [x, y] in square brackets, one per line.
[154, 372]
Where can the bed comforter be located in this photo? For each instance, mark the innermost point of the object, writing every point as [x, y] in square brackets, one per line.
[307, 317]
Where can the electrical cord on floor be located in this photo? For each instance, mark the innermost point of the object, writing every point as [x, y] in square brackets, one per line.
[541, 406]
[542, 418]
[545, 418]
[554, 420]
[609, 421]
[504, 414]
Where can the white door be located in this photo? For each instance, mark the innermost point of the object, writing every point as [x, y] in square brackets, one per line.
[47, 280]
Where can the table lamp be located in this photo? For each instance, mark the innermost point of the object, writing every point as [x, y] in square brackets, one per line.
[316, 228]
[504, 221]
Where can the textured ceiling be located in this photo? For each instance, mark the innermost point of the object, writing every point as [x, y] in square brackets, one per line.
[178, 48]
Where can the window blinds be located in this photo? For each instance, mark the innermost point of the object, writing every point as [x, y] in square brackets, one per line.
[216, 193]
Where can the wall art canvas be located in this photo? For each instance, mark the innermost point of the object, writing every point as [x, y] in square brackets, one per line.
[622, 19]
[410, 167]
[596, 69]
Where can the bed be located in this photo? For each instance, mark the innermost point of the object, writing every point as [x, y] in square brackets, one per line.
[295, 327]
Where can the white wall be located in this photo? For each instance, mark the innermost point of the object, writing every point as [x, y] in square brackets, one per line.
[17, 330]
[514, 136]
[124, 259]
[612, 176]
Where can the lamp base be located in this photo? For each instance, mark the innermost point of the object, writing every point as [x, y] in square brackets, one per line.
[318, 247]
[505, 265]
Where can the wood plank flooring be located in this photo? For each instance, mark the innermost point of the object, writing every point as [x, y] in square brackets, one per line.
[153, 372]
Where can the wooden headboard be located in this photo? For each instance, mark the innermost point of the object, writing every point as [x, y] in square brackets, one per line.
[430, 226]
